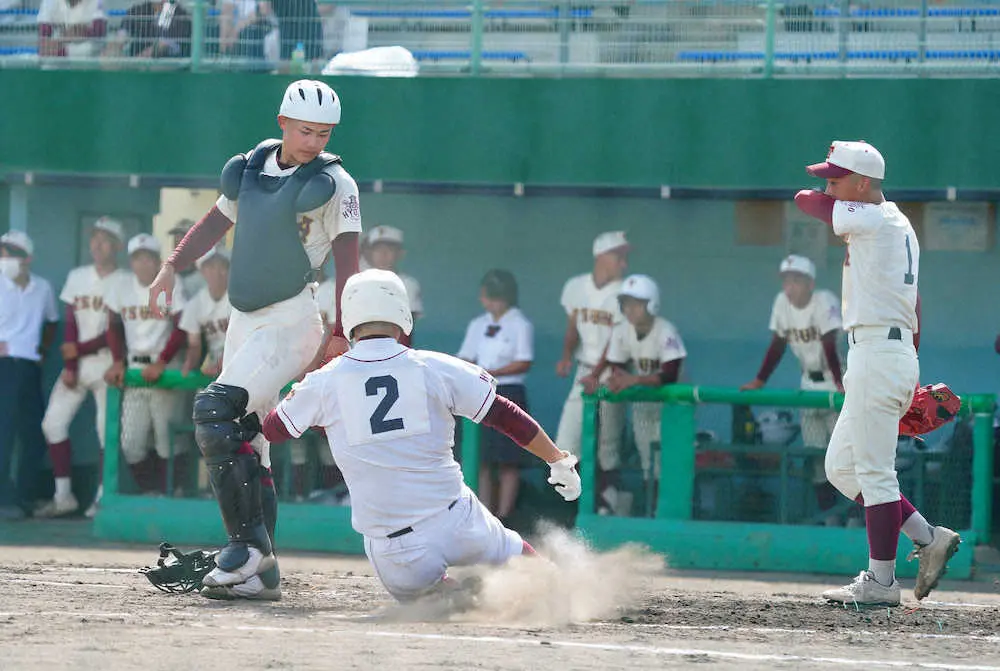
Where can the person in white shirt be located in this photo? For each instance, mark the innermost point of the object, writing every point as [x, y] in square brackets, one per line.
[882, 317]
[807, 320]
[71, 29]
[388, 414]
[27, 328]
[382, 248]
[646, 350]
[591, 304]
[502, 342]
[206, 315]
[86, 358]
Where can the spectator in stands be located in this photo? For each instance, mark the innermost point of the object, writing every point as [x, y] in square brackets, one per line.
[27, 328]
[298, 22]
[243, 25]
[70, 28]
[156, 29]
[502, 341]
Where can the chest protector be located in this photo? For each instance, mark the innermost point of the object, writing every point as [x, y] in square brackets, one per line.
[269, 262]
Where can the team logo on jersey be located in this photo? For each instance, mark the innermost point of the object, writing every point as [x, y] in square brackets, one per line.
[602, 317]
[351, 208]
[304, 225]
[88, 303]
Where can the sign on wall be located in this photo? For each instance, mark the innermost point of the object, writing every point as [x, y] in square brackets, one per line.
[950, 226]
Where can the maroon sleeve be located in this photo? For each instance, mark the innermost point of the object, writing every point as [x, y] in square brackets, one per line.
[816, 204]
[98, 28]
[93, 345]
[71, 332]
[511, 421]
[916, 336]
[116, 336]
[345, 261]
[829, 341]
[772, 358]
[200, 239]
[274, 429]
[670, 371]
[177, 340]
[45, 29]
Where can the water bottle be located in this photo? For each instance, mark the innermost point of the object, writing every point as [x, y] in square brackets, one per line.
[298, 64]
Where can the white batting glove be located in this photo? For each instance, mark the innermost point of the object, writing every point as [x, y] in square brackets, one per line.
[564, 478]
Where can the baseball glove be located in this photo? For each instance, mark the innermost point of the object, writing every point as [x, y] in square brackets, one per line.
[934, 405]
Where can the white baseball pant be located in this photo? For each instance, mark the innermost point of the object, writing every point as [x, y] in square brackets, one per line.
[646, 430]
[268, 348]
[464, 535]
[64, 402]
[144, 408]
[611, 416]
[881, 377]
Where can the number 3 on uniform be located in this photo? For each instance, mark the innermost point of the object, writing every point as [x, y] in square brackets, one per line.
[376, 408]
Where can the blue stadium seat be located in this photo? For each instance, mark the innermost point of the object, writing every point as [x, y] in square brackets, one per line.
[458, 55]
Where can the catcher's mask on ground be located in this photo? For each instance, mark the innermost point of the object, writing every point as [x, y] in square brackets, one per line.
[178, 572]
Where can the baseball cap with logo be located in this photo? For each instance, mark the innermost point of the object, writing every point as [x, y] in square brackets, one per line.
[18, 239]
[847, 157]
[215, 252]
[143, 242]
[111, 226]
[384, 234]
[794, 263]
[609, 242]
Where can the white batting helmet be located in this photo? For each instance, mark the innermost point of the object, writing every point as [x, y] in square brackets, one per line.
[310, 100]
[375, 296]
[643, 288]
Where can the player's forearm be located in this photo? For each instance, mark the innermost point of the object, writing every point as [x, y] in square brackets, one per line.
[670, 371]
[829, 341]
[202, 237]
[71, 331]
[48, 336]
[116, 336]
[816, 204]
[772, 357]
[345, 260]
[192, 359]
[94, 345]
[174, 343]
[513, 368]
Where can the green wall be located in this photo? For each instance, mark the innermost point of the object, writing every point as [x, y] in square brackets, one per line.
[698, 132]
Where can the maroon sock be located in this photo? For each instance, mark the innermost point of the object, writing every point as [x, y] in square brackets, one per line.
[159, 474]
[527, 550]
[883, 522]
[62, 459]
[142, 473]
[826, 496]
[906, 507]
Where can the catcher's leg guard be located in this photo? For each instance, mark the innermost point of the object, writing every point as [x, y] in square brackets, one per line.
[234, 470]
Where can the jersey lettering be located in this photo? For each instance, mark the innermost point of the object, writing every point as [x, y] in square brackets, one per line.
[600, 317]
[808, 335]
[379, 424]
[95, 303]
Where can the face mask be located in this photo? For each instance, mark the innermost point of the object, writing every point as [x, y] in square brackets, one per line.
[11, 267]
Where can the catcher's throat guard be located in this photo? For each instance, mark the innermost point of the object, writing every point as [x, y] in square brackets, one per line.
[178, 572]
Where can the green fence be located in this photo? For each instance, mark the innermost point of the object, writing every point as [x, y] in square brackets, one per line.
[692, 543]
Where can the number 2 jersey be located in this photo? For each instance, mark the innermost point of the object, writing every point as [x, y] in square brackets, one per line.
[882, 265]
[388, 412]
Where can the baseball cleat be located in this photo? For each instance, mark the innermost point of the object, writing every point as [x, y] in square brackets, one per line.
[865, 591]
[257, 562]
[58, 507]
[253, 589]
[933, 558]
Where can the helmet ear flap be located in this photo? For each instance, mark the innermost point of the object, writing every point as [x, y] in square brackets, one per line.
[179, 573]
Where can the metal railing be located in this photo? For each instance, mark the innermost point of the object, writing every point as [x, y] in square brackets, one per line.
[603, 37]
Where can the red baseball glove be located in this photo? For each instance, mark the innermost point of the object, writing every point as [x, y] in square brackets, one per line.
[934, 405]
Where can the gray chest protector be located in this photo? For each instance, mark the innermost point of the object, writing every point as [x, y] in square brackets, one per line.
[269, 262]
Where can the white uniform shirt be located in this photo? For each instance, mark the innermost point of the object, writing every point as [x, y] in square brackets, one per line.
[597, 312]
[145, 334]
[494, 344]
[211, 317]
[326, 299]
[662, 344]
[317, 228]
[882, 265]
[22, 314]
[86, 290]
[803, 329]
[60, 13]
[388, 414]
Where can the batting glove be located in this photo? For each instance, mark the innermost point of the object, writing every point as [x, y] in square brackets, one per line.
[564, 478]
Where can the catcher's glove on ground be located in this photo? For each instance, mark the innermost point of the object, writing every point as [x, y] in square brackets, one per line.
[564, 478]
[934, 405]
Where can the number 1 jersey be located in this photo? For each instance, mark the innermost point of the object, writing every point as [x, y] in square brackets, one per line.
[388, 412]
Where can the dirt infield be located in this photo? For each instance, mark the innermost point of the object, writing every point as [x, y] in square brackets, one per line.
[66, 608]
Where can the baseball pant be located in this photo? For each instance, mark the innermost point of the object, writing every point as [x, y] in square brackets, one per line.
[20, 420]
[818, 425]
[464, 535]
[611, 420]
[881, 377]
[64, 402]
[268, 348]
[145, 408]
[646, 429]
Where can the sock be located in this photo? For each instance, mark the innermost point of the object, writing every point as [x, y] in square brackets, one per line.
[62, 460]
[63, 488]
[884, 570]
[526, 549]
[916, 528]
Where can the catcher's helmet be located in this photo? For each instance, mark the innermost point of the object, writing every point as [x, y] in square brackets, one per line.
[178, 572]
[312, 101]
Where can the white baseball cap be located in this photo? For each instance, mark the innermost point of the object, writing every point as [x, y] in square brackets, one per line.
[794, 263]
[112, 226]
[609, 242]
[143, 241]
[384, 234]
[18, 239]
[846, 157]
[220, 252]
